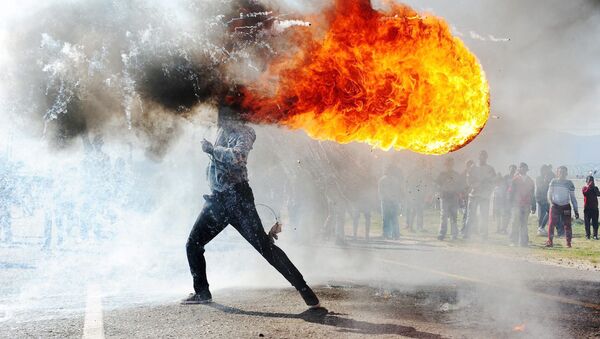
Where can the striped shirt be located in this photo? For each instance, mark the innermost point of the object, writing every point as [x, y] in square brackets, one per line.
[562, 191]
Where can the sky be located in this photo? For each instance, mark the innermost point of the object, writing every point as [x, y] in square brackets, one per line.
[547, 76]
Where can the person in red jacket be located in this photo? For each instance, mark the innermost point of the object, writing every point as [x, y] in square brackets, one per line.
[590, 206]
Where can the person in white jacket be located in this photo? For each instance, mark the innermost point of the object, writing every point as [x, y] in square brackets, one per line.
[560, 193]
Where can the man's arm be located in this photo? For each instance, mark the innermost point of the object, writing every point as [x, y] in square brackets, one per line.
[573, 199]
[550, 193]
[238, 154]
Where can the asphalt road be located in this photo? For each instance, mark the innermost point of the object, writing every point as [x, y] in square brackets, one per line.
[409, 288]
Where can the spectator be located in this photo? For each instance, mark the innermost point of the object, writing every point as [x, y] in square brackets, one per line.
[464, 194]
[522, 200]
[561, 191]
[480, 180]
[417, 187]
[498, 201]
[590, 206]
[542, 183]
[389, 195]
[449, 182]
[506, 213]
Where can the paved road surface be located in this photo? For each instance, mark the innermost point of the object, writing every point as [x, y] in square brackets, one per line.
[410, 288]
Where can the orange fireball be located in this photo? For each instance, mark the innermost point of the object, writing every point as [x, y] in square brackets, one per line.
[394, 79]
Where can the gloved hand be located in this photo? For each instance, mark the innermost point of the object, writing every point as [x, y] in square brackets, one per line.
[577, 215]
[207, 146]
[273, 232]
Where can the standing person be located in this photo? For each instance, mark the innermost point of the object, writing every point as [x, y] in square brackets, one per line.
[389, 195]
[449, 183]
[417, 184]
[464, 194]
[542, 184]
[522, 200]
[6, 197]
[590, 207]
[232, 202]
[507, 211]
[96, 193]
[561, 191]
[480, 180]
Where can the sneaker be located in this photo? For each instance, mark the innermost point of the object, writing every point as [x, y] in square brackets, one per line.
[549, 243]
[569, 245]
[203, 297]
[309, 297]
[587, 237]
[542, 231]
[595, 237]
[440, 237]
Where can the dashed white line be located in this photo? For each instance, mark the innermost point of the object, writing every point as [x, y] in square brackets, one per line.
[93, 325]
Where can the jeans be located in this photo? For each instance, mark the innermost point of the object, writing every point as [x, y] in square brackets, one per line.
[518, 233]
[590, 217]
[415, 212]
[449, 212]
[389, 211]
[506, 216]
[473, 222]
[543, 213]
[356, 219]
[560, 215]
[236, 207]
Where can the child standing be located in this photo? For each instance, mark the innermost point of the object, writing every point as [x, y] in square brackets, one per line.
[590, 207]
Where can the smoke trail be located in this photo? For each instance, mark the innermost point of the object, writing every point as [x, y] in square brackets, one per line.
[108, 66]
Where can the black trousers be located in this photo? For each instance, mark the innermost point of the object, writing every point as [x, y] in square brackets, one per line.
[590, 216]
[235, 207]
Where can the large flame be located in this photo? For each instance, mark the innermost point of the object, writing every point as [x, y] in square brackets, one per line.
[395, 79]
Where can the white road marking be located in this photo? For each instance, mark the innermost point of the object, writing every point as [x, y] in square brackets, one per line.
[93, 325]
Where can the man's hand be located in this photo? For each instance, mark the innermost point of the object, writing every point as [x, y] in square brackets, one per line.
[207, 146]
[273, 232]
[533, 210]
[577, 215]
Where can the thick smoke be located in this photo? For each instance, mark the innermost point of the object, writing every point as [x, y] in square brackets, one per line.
[147, 70]
[97, 65]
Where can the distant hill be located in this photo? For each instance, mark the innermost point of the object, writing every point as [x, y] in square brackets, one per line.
[580, 153]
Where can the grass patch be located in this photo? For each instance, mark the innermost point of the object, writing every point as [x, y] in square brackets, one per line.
[583, 249]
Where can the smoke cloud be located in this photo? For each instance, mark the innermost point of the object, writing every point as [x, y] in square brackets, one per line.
[106, 66]
[148, 73]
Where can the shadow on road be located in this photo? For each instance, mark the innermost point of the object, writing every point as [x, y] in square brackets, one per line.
[324, 317]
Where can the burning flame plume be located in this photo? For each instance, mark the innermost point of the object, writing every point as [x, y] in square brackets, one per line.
[392, 79]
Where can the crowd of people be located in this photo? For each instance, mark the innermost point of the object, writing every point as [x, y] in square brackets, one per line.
[76, 202]
[486, 198]
[331, 182]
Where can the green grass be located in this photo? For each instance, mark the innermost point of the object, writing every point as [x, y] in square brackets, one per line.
[582, 250]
